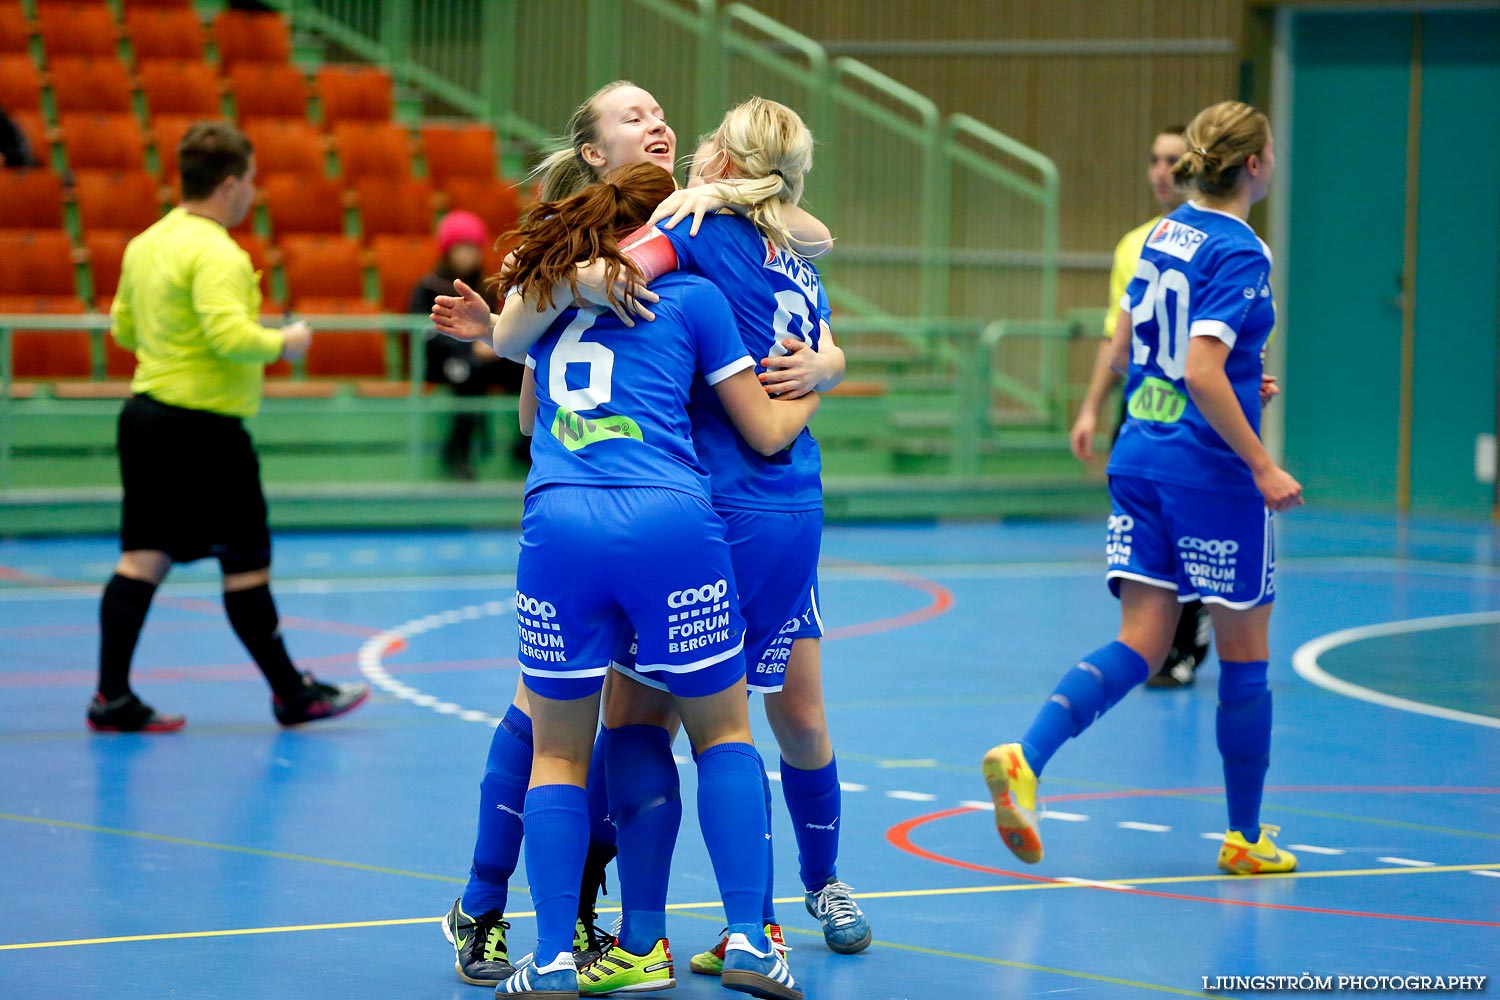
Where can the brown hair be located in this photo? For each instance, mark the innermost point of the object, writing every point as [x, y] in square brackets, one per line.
[208, 153]
[1220, 138]
[555, 235]
[564, 172]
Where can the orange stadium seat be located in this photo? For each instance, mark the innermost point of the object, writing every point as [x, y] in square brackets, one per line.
[401, 262]
[106, 249]
[102, 141]
[36, 263]
[285, 147]
[76, 29]
[497, 202]
[399, 205]
[179, 87]
[118, 200]
[346, 353]
[87, 83]
[268, 90]
[321, 267]
[164, 33]
[166, 133]
[458, 151]
[354, 93]
[30, 199]
[366, 149]
[14, 30]
[183, 4]
[303, 203]
[53, 354]
[20, 84]
[251, 36]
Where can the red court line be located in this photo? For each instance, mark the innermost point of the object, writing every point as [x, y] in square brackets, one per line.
[899, 836]
[942, 603]
[242, 671]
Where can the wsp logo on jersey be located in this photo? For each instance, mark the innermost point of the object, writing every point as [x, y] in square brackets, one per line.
[1175, 238]
[794, 267]
[577, 432]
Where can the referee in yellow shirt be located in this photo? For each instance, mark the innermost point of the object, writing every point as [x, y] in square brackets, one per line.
[187, 305]
[1190, 645]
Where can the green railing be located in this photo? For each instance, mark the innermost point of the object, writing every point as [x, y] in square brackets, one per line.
[935, 217]
[924, 397]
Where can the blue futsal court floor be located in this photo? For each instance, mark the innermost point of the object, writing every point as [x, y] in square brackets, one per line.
[238, 861]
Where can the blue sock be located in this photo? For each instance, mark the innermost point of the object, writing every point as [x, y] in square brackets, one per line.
[601, 830]
[768, 906]
[732, 813]
[1086, 692]
[502, 796]
[1244, 731]
[557, 838]
[814, 801]
[646, 802]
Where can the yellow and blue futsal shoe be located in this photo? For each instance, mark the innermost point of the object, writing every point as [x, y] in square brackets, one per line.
[619, 971]
[1238, 856]
[1013, 787]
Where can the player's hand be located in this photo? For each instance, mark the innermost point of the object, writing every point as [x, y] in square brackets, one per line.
[630, 296]
[465, 316]
[295, 340]
[705, 199]
[1281, 491]
[797, 372]
[1081, 436]
[1269, 390]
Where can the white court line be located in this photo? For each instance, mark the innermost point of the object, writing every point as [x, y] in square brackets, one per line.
[1408, 862]
[911, 796]
[1310, 849]
[1305, 662]
[1147, 827]
[1064, 817]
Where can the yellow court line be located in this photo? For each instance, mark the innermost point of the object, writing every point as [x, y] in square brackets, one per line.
[894, 894]
[233, 848]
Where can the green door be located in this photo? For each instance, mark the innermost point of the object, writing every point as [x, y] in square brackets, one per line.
[1347, 158]
[1458, 261]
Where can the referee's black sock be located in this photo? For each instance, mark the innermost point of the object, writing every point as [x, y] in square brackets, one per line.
[122, 612]
[252, 615]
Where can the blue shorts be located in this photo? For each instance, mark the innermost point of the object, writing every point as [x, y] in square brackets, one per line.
[775, 557]
[598, 566]
[776, 563]
[1215, 547]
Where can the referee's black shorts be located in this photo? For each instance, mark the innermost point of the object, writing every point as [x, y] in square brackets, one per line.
[192, 486]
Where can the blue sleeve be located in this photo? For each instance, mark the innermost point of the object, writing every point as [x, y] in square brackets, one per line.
[1229, 287]
[716, 337]
[686, 246]
[823, 311]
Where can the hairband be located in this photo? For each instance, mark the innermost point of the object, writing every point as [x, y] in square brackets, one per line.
[778, 173]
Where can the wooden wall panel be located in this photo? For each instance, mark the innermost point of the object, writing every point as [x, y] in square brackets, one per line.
[1092, 111]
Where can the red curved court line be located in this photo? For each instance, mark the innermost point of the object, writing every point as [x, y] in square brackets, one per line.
[942, 603]
[899, 837]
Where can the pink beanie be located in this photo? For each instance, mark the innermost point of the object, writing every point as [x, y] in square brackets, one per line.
[461, 227]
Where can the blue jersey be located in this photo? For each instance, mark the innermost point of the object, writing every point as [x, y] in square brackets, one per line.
[612, 400]
[775, 295]
[1202, 273]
